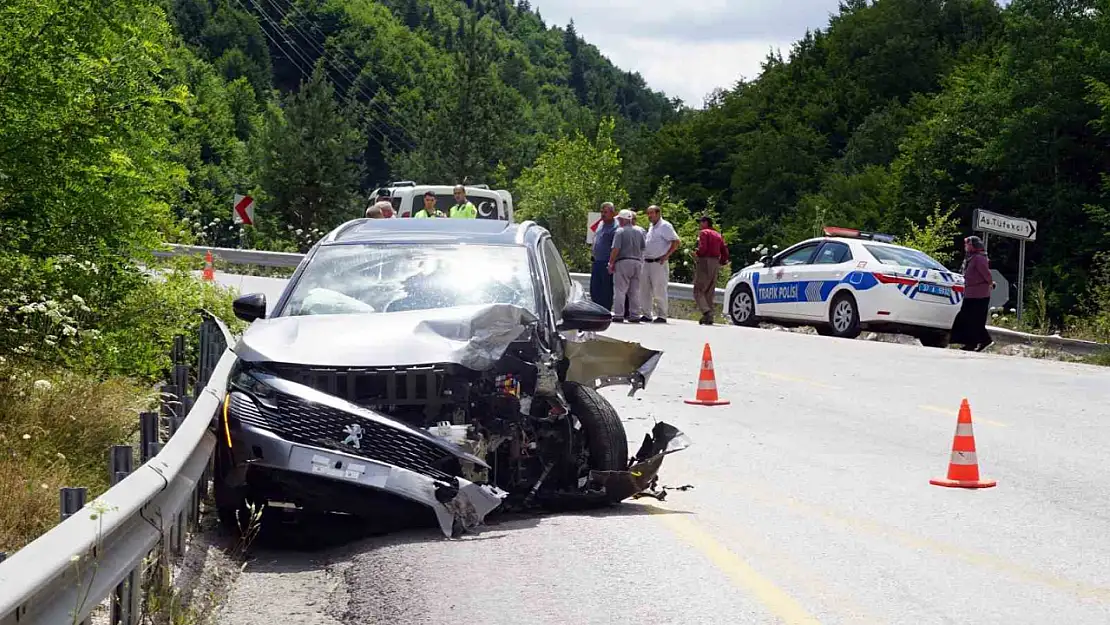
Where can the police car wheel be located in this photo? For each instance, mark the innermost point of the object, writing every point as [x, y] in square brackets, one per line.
[844, 317]
[742, 307]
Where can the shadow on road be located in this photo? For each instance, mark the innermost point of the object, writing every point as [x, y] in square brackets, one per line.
[289, 532]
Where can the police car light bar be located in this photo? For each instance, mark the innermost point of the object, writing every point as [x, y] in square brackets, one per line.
[851, 233]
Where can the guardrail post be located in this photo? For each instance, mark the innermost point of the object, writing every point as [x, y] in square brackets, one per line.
[170, 400]
[125, 599]
[72, 500]
[149, 441]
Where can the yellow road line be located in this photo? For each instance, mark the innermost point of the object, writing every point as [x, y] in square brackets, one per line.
[913, 541]
[764, 590]
[955, 412]
[789, 378]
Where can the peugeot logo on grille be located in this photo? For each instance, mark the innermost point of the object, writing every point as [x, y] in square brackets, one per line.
[354, 435]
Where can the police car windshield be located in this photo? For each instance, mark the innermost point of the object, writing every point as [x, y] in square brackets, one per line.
[903, 256]
[377, 278]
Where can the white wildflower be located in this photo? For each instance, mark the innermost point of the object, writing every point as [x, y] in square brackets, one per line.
[43, 385]
[77, 299]
[26, 437]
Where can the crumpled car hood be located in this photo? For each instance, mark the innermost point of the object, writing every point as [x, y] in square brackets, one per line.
[472, 336]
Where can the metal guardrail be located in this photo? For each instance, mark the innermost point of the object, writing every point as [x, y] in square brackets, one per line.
[98, 551]
[675, 291]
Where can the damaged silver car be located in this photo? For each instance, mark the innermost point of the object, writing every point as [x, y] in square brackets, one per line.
[451, 364]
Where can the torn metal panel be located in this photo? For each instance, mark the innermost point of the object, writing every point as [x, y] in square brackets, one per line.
[471, 336]
[644, 470]
[599, 361]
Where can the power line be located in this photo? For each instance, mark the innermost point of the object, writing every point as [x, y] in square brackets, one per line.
[387, 115]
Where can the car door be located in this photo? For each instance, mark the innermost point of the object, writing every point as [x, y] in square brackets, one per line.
[830, 264]
[776, 287]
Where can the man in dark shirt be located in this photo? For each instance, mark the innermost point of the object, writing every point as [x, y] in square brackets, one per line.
[601, 281]
[709, 255]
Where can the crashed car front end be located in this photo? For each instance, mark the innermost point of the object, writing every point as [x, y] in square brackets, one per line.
[462, 411]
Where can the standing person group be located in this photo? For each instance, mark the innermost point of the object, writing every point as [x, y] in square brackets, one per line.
[631, 267]
[463, 208]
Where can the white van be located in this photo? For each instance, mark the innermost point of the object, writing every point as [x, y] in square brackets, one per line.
[407, 196]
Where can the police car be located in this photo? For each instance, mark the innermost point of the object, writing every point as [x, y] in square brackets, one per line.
[846, 282]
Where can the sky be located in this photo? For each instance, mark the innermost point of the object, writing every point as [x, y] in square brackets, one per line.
[688, 49]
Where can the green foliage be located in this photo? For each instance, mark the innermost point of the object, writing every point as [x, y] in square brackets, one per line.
[56, 427]
[902, 106]
[937, 237]
[573, 177]
[137, 334]
[310, 160]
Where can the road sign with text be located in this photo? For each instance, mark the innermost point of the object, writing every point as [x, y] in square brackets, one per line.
[1013, 227]
[243, 210]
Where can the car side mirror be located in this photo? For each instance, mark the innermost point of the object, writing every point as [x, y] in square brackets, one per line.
[250, 307]
[586, 316]
[766, 260]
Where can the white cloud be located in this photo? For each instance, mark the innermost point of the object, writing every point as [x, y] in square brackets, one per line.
[689, 49]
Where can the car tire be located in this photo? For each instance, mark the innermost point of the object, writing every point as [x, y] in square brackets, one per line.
[605, 436]
[844, 317]
[823, 330]
[939, 339]
[233, 505]
[741, 307]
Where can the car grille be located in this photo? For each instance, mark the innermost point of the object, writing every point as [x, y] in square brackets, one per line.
[432, 385]
[308, 423]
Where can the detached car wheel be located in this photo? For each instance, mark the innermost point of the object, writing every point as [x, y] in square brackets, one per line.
[844, 317]
[742, 307]
[605, 435]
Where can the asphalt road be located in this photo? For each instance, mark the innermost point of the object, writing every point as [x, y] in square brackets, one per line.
[811, 504]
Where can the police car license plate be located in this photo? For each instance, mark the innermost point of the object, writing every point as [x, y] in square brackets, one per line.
[934, 289]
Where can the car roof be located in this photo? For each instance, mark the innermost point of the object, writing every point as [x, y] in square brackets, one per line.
[849, 241]
[407, 229]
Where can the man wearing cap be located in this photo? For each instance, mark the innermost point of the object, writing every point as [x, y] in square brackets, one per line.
[429, 209]
[660, 243]
[463, 208]
[601, 281]
[710, 254]
[626, 263]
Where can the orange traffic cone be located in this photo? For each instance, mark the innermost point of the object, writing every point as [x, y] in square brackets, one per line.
[963, 468]
[208, 274]
[706, 394]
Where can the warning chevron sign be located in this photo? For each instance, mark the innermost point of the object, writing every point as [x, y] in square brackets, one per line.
[243, 210]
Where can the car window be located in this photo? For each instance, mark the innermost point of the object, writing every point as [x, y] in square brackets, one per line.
[558, 275]
[377, 278]
[833, 253]
[904, 256]
[799, 256]
[487, 206]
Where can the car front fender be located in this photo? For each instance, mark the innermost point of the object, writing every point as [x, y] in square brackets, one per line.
[598, 361]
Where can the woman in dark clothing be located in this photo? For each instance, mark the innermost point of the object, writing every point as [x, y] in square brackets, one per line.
[970, 326]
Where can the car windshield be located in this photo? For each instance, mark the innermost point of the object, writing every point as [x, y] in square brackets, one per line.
[904, 256]
[376, 278]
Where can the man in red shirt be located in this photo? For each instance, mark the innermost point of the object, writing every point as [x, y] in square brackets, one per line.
[710, 253]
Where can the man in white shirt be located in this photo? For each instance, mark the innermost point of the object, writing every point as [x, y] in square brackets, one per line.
[660, 242]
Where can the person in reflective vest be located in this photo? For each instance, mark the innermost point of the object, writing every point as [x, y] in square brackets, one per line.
[463, 208]
[429, 209]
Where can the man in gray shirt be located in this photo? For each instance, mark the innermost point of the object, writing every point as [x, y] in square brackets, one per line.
[626, 263]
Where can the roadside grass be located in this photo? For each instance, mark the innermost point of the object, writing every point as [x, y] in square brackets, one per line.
[56, 428]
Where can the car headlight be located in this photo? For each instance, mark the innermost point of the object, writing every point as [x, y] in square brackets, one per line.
[243, 380]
